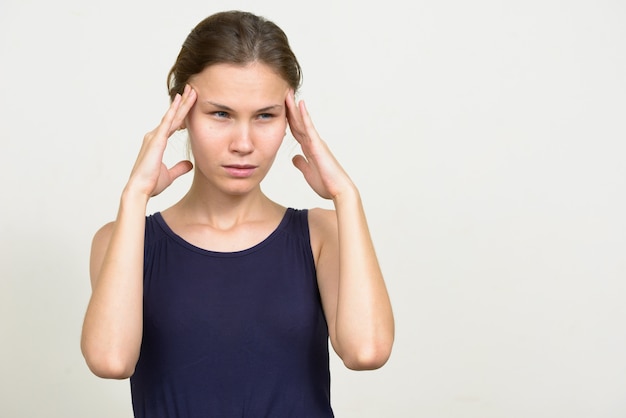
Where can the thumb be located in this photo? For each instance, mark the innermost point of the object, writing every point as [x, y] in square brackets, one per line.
[301, 164]
[180, 168]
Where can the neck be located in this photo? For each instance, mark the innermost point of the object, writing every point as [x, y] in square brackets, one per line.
[209, 205]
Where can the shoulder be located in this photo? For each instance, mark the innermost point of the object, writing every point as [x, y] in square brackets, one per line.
[322, 219]
[322, 229]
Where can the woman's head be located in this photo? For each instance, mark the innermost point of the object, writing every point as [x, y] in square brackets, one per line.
[238, 38]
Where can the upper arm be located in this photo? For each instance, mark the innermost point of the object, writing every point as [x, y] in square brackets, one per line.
[99, 246]
[325, 245]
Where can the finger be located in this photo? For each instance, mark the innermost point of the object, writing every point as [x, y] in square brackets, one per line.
[306, 118]
[175, 115]
[188, 100]
[301, 164]
[179, 169]
[294, 118]
[166, 122]
[301, 123]
[291, 103]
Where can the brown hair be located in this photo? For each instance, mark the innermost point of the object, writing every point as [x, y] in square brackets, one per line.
[234, 37]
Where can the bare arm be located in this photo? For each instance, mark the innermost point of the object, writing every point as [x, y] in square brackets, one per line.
[113, 325]
[112, 328]
[354, 295]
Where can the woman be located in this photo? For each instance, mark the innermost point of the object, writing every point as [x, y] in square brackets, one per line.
[222, 305]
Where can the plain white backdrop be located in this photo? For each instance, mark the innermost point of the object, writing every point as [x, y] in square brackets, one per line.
[488, 140]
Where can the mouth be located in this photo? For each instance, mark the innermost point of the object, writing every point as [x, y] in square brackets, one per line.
[240, 170]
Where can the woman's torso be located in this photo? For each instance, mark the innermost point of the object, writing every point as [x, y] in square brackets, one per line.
[232, 333]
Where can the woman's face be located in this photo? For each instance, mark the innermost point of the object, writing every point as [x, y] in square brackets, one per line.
[237, 124]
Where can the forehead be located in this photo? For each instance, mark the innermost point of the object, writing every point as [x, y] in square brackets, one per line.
[228, 83]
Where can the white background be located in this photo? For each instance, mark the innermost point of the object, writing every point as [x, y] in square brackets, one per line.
[488, 142]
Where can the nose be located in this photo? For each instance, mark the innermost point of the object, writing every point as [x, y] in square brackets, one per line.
[241, 141]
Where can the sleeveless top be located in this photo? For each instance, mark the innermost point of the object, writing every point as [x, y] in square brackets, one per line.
[237, 334]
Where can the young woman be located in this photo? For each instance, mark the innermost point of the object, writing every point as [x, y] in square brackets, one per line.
[223, 304]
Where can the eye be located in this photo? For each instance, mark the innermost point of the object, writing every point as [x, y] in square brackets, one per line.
[220, 114]
[265, 116]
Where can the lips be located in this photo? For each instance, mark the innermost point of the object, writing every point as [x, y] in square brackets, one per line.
[240, 170]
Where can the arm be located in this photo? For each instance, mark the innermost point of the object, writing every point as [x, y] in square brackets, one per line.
[113, 324]
[112, 328]
[353, 291]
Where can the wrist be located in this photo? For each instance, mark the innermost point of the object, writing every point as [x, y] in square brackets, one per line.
[350, 193]
[132, 196]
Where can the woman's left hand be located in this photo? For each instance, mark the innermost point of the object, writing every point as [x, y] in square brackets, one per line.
[318, 165]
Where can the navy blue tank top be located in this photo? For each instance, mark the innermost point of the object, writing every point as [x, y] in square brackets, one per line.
[238, 334]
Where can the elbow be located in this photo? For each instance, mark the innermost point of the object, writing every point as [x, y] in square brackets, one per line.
[368, 357]
[110, 369]
[366, 362]
[108, 365]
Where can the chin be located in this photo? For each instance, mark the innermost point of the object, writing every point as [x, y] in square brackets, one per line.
[240, 187]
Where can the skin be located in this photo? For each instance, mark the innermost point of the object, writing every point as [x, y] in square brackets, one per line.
[236, 117]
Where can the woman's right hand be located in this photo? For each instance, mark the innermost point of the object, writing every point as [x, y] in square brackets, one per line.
[150, 176]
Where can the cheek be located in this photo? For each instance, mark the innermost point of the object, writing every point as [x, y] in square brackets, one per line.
[274, 132]
[279, 130]
[202, 143]
[201, 130]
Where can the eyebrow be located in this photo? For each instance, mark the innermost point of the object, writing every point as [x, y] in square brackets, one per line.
[228, 109]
